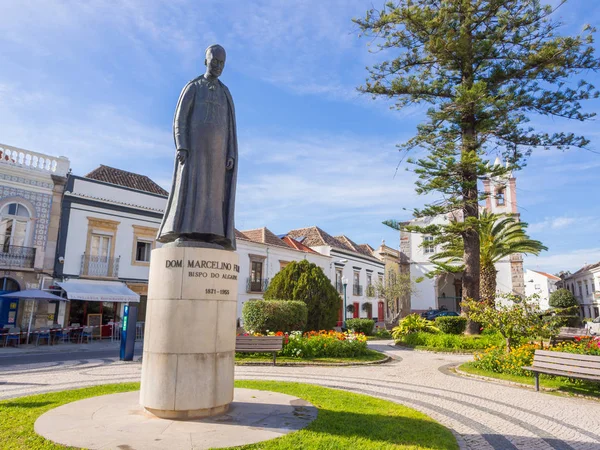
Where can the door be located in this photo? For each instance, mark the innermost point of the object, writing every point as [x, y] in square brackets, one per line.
[356, 312]
[380, 313]
[99, 255]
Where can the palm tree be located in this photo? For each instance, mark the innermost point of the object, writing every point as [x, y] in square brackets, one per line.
[499, 236]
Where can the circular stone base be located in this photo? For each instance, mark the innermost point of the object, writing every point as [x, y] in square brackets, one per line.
[189, 415]
[117, 421]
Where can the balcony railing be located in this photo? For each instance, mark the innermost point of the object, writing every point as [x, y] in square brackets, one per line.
[16, 256]
[357, 289]
[99, 266]
[34, 161]
[257, 285]
[371, 291]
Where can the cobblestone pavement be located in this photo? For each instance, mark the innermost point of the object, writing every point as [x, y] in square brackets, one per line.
[482, 415]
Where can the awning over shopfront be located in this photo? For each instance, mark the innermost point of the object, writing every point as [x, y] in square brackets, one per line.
[99, 291]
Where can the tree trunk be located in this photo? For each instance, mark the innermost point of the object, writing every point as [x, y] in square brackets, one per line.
[488, 284]
[469, 146]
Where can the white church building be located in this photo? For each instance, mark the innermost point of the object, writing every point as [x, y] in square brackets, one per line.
[446, 290]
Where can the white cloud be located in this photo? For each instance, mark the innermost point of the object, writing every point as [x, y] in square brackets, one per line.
[573, 260]
[555, 223]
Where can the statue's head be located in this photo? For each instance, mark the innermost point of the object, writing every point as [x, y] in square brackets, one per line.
[215, 60]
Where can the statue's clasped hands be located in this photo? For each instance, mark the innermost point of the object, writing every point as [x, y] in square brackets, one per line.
[182, 155]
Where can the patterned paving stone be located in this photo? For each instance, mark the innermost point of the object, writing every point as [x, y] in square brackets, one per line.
[482, 415]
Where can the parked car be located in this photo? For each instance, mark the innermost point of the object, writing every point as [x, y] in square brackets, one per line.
[445, 314]
[432, 312]
[593, 327]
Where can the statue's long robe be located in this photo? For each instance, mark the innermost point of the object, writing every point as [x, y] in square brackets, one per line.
[201, 204]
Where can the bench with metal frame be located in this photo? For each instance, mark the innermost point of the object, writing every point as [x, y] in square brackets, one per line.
[259, 344]
[570, 365]
[568, 334]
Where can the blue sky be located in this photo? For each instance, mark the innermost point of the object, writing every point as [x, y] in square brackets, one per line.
[97, 81]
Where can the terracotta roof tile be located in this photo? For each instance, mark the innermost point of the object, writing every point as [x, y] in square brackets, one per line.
[314, 237]
[297, 245]
[126, 179]
[264, 236]
[552, 277]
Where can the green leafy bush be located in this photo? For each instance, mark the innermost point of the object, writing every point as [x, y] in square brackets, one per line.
[562, 298]
[382, 333]
[274, 315]
[450, 342]
[451, 324]
[361, 325]
[304, 281]
[411, 324]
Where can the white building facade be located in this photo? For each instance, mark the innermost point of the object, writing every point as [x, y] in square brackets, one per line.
[541, 284]
[262, 255]
[585, 286]
[446, 290]
[31, 187]
[109, 223]
[354, 263]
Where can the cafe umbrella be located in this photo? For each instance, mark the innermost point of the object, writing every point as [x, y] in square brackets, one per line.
[32, 294]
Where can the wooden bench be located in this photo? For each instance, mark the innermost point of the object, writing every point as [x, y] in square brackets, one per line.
[259, 344]
[568, 334]
[571, 365]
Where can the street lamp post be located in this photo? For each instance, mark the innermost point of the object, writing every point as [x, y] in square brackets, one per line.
[344, 283]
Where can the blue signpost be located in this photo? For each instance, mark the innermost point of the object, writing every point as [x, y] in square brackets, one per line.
[128, 333]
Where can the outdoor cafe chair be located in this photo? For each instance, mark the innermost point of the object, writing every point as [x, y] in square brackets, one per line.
[60, 333]
[43, 333]
[86, 333]
[14, 334]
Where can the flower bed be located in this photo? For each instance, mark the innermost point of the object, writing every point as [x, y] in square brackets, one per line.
[320, 344]
[496, 359]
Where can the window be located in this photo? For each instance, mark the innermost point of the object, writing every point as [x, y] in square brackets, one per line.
[143, 244]
[500, 197]
[142, 251]
[587, 289]
[338, 281]
[14, 226]
[356, 278]
[537, 287]
[427, 240]
[580, 290]
[100, 247]
[369, 281]
[256, 276]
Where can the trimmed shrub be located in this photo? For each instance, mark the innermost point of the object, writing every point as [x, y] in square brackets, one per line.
[301, 280]
[450, 342]
[451, 324]
[562, 298]
[361, 326]
[274, 315]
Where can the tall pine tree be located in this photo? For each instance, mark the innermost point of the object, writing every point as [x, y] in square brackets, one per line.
[485, 67]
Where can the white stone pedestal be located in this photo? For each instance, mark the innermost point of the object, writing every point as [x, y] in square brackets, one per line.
[189, 342]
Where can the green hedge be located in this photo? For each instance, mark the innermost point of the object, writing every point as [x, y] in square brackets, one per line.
[451, 324]
[274, 315]
[361, 326]
[451, 342]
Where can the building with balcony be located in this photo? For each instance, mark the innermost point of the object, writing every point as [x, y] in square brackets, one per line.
[446, 290]
[353, 262]
[262, 255]
[31, 188]
[109, 222]
[585, 286]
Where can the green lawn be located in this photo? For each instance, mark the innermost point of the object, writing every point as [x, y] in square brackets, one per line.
[561, 384]
[345, 420]
[242, 358]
